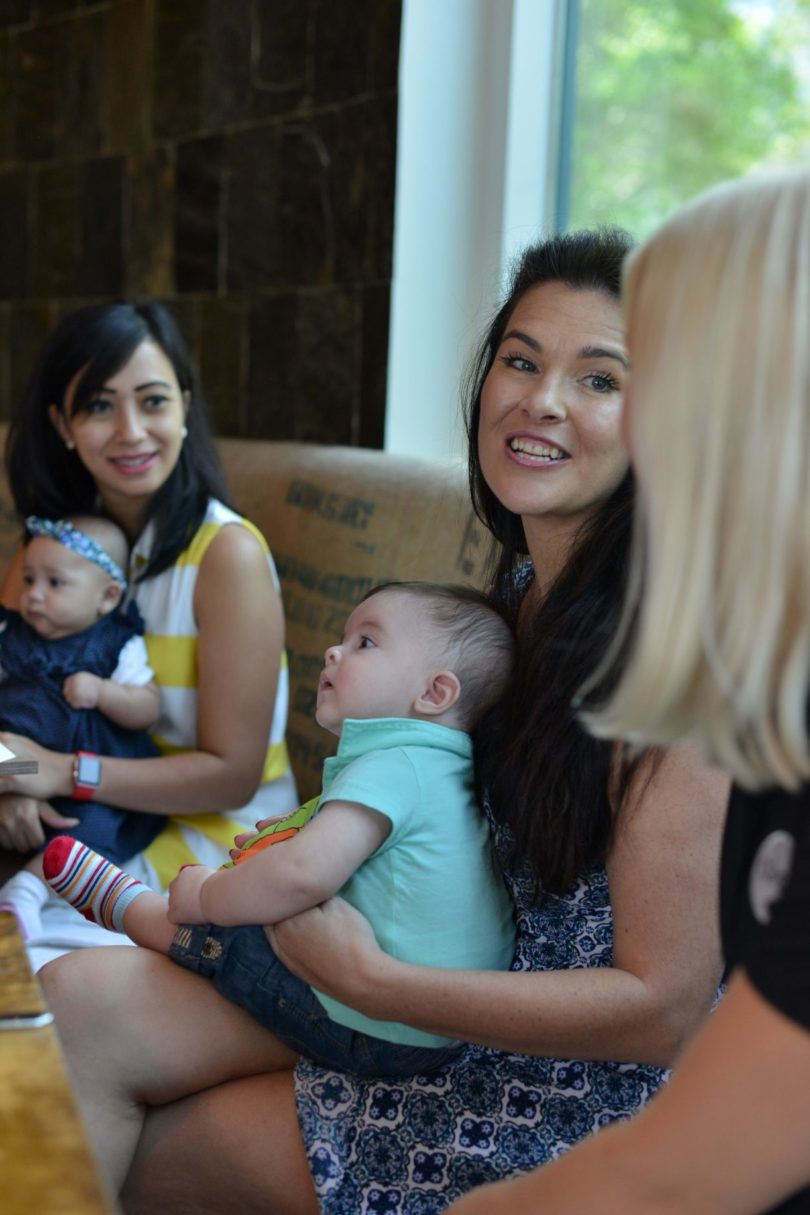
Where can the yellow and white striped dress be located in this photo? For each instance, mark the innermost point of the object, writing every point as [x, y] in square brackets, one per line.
[167, 606]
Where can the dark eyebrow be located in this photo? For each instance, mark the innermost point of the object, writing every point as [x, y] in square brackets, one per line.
[522, 337]
[587, 352]
[141, 387]
[602, 352]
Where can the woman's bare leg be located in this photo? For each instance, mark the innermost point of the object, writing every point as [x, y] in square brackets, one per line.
[139, 1031]
[231, 1150]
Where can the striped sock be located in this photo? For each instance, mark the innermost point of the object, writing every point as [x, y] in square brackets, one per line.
[94, 886]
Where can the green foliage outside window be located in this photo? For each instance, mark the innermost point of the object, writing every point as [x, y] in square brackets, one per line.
[675, 95]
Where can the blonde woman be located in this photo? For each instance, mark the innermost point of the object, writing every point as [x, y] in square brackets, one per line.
[718, 423]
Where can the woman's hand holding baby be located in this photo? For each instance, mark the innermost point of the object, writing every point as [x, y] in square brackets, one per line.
[21, 820]
[332, 947]
[54, 777]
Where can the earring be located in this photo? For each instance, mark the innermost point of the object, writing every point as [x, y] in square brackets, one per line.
[70, 445]
[184, 433]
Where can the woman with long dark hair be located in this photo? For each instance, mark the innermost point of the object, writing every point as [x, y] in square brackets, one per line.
[114, 420]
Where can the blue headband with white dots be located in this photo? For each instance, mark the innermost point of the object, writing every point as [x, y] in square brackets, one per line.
[79, 541]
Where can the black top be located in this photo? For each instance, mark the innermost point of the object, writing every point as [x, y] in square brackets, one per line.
[765, 906]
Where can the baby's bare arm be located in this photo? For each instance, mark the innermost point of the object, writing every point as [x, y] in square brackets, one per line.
[299, 873]
[134, 706]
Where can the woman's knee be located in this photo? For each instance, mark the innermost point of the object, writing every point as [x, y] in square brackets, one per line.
[64, 978]
[89, 981]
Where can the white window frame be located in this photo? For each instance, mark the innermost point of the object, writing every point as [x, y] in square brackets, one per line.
[477, 152]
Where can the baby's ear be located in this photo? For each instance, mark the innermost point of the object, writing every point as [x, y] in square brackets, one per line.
[110, 598]
[441, 693]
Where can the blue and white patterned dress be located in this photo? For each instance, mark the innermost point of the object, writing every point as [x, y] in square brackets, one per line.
[412, 1147]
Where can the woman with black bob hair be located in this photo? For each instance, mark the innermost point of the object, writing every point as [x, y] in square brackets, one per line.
[113, 421]
[611, 864]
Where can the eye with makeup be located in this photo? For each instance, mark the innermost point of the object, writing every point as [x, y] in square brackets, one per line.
[96, 405]
[154, 400]
[602, 382]
[517, 361]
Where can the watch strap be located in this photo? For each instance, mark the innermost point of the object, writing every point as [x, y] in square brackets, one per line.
[84, 789]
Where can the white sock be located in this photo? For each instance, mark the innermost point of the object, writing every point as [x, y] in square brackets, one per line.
[24, 895]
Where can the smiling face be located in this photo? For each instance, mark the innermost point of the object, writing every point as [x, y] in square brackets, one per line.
[549, 429]
[129, 435]
[383, 665]
[63, 593]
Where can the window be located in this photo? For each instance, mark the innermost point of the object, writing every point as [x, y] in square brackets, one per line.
[518, 117]
[475, 153]
[670, 98]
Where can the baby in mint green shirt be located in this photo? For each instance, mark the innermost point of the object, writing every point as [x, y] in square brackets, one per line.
[396, 831]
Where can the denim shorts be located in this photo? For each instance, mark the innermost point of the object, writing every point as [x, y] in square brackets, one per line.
[242, 966]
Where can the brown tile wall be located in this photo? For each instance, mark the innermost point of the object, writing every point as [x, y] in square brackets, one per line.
[232, 157]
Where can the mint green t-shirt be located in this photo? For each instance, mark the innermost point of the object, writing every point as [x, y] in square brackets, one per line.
[431, 891]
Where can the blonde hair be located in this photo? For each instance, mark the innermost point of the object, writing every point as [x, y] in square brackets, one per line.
[718, 319]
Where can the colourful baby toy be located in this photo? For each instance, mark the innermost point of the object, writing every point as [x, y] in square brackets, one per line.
[280, 830]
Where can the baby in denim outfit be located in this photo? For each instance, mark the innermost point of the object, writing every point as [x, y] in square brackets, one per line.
[396, 831]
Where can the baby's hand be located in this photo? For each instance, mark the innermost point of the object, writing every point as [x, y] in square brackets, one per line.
[82, 690]
[184, 895]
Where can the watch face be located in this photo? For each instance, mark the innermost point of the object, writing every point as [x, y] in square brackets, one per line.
[89, 770]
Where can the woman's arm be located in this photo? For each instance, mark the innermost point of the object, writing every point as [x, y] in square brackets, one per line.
[730, 1134]
[241, 635]
[663, 875]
